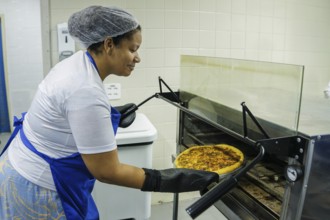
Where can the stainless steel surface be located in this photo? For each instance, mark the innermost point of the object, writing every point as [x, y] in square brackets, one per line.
[317, 200]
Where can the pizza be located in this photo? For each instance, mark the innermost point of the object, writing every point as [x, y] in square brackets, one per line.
[220, 158]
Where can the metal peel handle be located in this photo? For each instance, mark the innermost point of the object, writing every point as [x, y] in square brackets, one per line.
[211, 197]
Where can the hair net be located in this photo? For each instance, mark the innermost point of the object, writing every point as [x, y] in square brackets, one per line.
[95, 23]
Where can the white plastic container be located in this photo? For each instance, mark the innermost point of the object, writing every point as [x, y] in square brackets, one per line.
[135, 148]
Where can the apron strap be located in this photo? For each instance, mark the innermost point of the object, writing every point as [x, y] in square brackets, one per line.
[115, 119]
[28, 144]
[18, 125]
[92, 60]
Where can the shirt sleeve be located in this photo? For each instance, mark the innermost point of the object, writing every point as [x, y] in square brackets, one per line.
[88, 114]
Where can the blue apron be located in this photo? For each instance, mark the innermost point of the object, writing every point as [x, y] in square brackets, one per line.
[73, 182]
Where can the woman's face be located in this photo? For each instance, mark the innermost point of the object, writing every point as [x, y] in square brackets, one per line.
[123, 57]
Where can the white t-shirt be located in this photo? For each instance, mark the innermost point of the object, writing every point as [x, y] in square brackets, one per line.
[70, 113]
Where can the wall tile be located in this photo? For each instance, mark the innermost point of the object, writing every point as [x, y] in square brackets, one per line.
[173, 38]
[224, 6]
[60, 16]
[296, 11]
[189, 51]
[155, 4]
[237, 53]
[238, 6]
[172, 57]
[253, 7]
[155, 18]
[152, 75]
[190, 20]
[252, 54]
[140, 16]
[279, 9]
[265, 55]
[206, 52]
[190, 38]
[266, 41]
[238, 22]
[155, 57]
[154, 38]
[207, 6]
[279, 25]
[207, 21]
[278, 42]
[60, 4]
[223, 39]
[322, 14]
[173, 19]
[266, 25]
[190, 5]
[141, 4]
[222, 53]
[172, 75]
[223, 21]
[207, 39]
[173, 4]
[267, 8]
[252, 41]
[237, 40]
[252, 23]
[313, 28]
[117, 3]
[278, 56]
[319, 3]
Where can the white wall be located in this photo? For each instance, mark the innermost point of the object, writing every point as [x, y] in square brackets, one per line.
[23, 51]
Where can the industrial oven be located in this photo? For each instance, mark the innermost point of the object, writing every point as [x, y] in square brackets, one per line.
[254, 106]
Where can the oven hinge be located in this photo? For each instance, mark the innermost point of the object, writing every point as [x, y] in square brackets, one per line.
[292, 146]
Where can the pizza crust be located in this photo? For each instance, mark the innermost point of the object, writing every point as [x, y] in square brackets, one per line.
[220, 158]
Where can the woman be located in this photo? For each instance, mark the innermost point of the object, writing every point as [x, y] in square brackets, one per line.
[67, 139]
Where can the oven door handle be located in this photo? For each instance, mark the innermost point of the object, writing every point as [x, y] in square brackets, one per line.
[212, 196]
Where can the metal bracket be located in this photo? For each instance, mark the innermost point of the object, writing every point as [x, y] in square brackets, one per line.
[293, 146]
[245, 110]
[174, 96]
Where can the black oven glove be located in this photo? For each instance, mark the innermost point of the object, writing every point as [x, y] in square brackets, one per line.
[178, 180]
[127, 114]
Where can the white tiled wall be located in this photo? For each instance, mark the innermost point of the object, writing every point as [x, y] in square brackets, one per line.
[286, 31]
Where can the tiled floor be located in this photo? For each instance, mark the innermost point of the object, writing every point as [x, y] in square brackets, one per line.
[164, 211]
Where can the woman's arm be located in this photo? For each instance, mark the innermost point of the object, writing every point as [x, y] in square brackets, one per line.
[107, 168]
